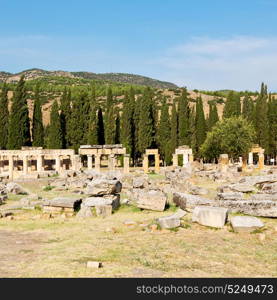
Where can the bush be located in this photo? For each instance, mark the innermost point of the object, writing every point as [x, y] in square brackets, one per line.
[48, 188]
[234, 136]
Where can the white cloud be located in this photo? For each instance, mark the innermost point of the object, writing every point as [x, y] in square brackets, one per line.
[240, 63]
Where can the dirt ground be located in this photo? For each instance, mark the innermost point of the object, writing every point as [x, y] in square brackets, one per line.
[31, 246]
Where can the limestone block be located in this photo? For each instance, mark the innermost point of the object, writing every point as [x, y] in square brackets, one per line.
[169, 222]
[103, 210]
[100, 187]
[15, 188]
[113, 200]
[94, 264]
[64, 202]
[245, 223]
[187, 201]
[210, 216]
[84, 212]
[152, 199]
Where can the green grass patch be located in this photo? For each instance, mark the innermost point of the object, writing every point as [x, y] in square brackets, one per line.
[155, 176]
[48, 188]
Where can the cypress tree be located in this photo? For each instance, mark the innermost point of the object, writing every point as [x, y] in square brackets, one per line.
[146, 126]
[164, 134]
[46, 136]
[248, 108]
[200, 125]
[92, 136]
[109, 118]
[192, 128]
[54, 130]
[213, 116]
[67, 112]
[261, 122]
[127, 124]
[174, 129]
[37, 129]
[19, 126]
[117, 128]
[232, 106]
[79, 120]
[272, 126]
[183, 119]
[4, 117]
[136, 117]
[100, 128]
[65, 116]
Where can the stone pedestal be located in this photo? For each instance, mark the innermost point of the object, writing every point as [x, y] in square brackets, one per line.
[97, 163]
[185, 159]
[39, 163]
[157, 163]
[111, 162]
[89, 162]
[261, 161]
[58, 164]
[25, 165]
[11, 167]
[223, 162]
[250, 158]
[126, 162]
[145, 163]
[175, 160]
[244, 162]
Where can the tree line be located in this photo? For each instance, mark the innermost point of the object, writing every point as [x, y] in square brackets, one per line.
[144, 121]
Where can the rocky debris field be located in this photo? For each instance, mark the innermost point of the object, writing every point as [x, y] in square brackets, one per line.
[195, 203]
[101, 194]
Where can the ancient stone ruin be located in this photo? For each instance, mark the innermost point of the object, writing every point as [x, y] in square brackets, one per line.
[100, 174]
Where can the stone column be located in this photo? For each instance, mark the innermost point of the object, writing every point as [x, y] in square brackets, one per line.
[223, 162]
[111, 162]
[240, 161]
[250, 158]
[39, 163]
[89, 161]
[261, 161]
[10, 167]
[29, 164]
[244, 162]
[64, 164]
[58, 164]
[126, 162]
[175, 160]
[25, 164]
[97, 162]
[145, 163]
[76, 162]
[157, 163]
[185, 159]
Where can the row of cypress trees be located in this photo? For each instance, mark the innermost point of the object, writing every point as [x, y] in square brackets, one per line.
[146, 121]
[261, 112]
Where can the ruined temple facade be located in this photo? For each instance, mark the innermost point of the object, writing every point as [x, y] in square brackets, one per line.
[111, 152]
[38, 161]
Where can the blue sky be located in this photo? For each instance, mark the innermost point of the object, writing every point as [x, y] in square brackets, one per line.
[199, 44]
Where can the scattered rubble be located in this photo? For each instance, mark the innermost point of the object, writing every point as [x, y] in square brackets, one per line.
[245, 223]
[210, 216]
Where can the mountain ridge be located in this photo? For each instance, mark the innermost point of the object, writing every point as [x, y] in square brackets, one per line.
[35, 73]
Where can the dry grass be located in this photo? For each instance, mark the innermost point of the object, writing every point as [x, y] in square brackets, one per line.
[136, 251]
